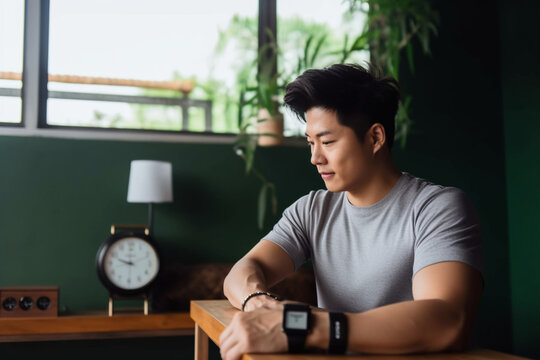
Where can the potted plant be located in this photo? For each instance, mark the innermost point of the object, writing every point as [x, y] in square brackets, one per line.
[260, 121]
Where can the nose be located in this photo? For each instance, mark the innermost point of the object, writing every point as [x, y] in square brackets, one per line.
[317, 157]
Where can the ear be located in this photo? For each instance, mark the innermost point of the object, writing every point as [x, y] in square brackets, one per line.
[377, 137]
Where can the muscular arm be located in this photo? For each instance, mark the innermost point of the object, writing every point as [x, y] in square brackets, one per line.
[262, 267]
[439, 318]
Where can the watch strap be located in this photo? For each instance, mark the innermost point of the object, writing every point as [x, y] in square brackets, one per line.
[338, 333]
[297, 343]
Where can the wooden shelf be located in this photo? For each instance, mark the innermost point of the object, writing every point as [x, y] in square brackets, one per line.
[96, 325]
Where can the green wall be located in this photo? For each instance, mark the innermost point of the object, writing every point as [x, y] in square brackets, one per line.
[59, 197]
[458, 140]
[520, 69]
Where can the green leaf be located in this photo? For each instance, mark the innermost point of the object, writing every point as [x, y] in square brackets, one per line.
[262, 206]
[360, 42]
[321, 41]
[306, 51]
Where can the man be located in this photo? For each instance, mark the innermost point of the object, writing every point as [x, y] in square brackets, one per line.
[397, 259]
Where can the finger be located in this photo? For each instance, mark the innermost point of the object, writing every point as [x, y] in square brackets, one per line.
[230, 351]
[235, 353]
[227, 340]
[228, 343]
[225, 334]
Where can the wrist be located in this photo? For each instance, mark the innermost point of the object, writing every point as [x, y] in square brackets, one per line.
[253, 299]
[259, 302]
[320, 330]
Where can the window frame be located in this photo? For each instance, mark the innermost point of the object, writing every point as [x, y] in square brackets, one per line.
[34, 92]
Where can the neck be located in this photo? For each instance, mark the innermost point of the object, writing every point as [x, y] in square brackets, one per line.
[377, 184]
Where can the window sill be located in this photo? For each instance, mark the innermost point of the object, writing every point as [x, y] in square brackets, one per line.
[131, 135]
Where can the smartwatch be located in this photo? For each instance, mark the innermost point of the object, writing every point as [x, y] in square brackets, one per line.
[296, 325]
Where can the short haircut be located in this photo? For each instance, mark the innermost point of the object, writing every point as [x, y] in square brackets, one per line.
[360, 97]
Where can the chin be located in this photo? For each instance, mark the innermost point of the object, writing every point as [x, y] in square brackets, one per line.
[333, 188]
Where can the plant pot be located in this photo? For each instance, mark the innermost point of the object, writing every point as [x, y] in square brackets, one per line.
[271, 129]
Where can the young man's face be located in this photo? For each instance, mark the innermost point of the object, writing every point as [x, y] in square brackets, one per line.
[343, 162]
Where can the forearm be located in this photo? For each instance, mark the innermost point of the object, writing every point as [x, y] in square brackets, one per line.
[407, 327]
[245, 277]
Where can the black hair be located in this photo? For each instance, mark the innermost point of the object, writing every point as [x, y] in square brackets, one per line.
[360, 97]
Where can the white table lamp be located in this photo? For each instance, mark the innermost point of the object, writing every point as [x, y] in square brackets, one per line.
[150, 181]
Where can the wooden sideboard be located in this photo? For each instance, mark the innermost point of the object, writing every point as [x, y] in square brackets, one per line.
[95, 325]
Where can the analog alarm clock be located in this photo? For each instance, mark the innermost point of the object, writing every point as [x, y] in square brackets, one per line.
[128, 263]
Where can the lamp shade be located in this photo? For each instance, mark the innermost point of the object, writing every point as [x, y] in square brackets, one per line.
[150, 181]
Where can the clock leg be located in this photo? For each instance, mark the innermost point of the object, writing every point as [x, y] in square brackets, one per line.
[110, 306]
[201, 344]
[145, 305]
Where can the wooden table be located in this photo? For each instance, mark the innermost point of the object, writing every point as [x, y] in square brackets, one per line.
[96, 325]
[212, 317]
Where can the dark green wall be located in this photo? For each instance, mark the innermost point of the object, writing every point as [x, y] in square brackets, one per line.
[58, 199]
[458, 140]
[520, 60]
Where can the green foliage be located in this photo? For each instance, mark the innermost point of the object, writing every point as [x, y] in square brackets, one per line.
[391, 27]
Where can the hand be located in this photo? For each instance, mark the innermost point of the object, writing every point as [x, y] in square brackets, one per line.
[257, 331]
[140, 259]
[125, 262]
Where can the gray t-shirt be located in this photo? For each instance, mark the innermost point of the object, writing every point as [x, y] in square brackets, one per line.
[366, 257]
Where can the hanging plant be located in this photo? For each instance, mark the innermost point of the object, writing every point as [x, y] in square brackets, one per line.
[389, 32]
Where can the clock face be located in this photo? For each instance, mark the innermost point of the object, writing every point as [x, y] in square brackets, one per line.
[130, 263]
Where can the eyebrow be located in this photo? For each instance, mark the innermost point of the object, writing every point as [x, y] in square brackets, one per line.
[322, 133]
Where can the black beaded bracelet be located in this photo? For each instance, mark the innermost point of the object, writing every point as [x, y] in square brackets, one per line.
[338, 333]
[258, 293]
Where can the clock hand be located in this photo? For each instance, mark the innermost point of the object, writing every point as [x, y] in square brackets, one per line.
[125, 262]
[139, 259]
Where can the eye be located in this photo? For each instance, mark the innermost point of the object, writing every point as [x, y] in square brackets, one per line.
[327, 142]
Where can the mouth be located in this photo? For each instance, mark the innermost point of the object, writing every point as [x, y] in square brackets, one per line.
[326, 175]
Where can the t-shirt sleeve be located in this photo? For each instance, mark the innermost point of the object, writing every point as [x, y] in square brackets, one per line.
[291, 231]
[447, 229]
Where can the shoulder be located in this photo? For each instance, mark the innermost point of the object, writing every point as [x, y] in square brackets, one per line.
[437, 208]
[424, 194]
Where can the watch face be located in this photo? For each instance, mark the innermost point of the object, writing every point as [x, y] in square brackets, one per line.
[297, 320]
[130, 263]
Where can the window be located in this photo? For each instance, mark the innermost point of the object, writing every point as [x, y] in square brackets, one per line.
[167, 67]
[140, 42]
[11, 60]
